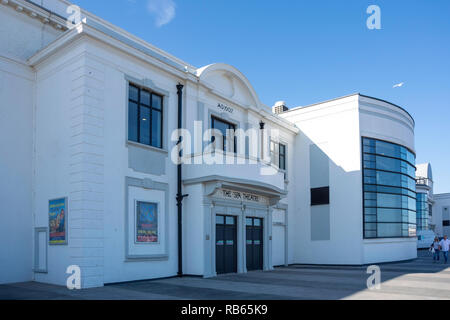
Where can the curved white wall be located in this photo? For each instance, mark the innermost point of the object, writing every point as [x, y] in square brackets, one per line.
[384, 121]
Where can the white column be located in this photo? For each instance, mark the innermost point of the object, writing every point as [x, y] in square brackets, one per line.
[86, 200]
[209, 265]
[268, 265]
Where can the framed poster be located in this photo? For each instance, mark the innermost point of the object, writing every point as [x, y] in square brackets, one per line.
[57, 221]
[146, 222]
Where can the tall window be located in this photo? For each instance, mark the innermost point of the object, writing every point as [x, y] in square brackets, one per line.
[145, 117]
[278, 154]
[227, 142]
[422, 211]
[389, 190]
[282, 157]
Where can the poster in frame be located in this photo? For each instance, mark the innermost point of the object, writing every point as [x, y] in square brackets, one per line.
[57, 221]
[146, 226]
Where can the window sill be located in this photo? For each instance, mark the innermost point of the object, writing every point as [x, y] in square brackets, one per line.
[147, 147]
[138, 258]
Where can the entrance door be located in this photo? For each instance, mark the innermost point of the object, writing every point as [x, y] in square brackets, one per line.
[226, 244]
[254, 244]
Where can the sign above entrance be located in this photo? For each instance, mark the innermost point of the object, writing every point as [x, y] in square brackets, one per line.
[224, 107]
[241, 196]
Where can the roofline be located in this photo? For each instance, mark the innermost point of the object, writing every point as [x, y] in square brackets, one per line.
[317, 103]
[348, 96]
[393, 104]
[46, 9]
[109, 28]
[111, 38]
[441, 195]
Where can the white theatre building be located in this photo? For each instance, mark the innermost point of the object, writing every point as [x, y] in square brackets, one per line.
[88, 121]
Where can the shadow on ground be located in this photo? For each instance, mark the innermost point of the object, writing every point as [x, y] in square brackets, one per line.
[418, 279]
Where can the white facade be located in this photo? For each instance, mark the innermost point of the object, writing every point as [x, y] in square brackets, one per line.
[336, 128]
[441, 214]
[69, 89]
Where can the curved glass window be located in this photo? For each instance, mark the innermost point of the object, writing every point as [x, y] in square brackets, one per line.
[389, 190]
[422, 211]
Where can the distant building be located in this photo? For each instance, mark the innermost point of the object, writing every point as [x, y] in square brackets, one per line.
[425, 201]
[433, 210]
[441, 214]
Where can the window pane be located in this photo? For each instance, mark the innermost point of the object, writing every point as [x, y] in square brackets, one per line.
[145, 126]
[412, 230]
[133, 93]
[387, 149]
[229, 140]
[282, 163]
[387, 178]
[320, 196]
[370, 234]
[221, 140]
[389, 200]
[390, 164]
[145, 97]
[230, 220]
[410, 157]
[387, 230]
[422, 211]
[257, 223]
[220, 219]
[282, 157]
[132, 122]
[156, 129]
[389, 215]
[282, 149]
[156, 102]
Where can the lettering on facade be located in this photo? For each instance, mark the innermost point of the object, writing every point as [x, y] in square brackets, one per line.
[225, 108]
[236, 195]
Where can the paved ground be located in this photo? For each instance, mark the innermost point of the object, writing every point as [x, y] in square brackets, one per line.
[419, 279]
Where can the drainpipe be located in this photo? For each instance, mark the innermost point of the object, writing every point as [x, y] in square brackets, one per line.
[180, 195]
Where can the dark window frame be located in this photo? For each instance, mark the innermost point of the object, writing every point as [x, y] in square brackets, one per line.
[230, 125]
[422, 212]
[277, 157]
[376, 222]
[320, 196]
[282, 155]
[152, 109]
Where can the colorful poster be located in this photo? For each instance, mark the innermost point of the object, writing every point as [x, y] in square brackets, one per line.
[146, 222]
[57, 214]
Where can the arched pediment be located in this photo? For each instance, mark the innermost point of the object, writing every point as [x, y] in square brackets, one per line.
[230, 82]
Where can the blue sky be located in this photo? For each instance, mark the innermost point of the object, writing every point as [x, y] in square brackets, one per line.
[309, 51]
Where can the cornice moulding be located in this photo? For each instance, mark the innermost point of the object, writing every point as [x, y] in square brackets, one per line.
[35, 12]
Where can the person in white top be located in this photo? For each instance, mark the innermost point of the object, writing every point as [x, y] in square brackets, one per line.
[445, 244]
[435, 249]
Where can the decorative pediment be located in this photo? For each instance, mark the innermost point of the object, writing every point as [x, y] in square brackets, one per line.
[229, 82]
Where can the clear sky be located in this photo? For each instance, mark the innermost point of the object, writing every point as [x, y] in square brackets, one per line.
[309, 51]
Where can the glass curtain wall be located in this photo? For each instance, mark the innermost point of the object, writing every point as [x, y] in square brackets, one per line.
[422, 211]
[389, 190]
